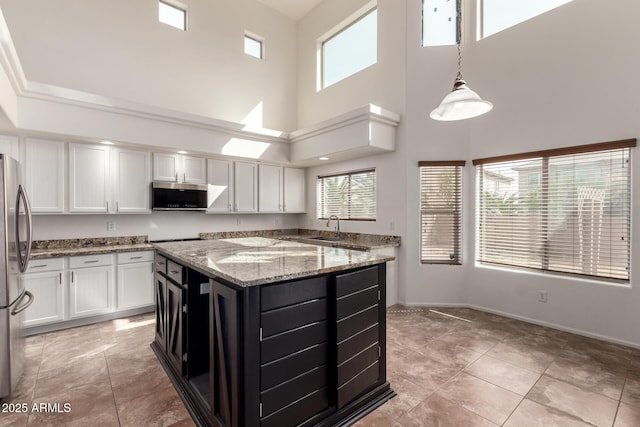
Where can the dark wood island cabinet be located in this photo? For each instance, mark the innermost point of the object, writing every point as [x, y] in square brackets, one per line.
[263, 332]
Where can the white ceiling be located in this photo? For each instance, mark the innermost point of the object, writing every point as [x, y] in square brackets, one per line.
[294, 9]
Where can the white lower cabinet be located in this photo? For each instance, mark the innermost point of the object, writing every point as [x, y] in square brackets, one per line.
[77, 288]
[134, 280]
[91, 289]
[46, 280]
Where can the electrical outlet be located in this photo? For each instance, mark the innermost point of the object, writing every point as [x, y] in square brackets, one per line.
[543, 296]
[111, 226]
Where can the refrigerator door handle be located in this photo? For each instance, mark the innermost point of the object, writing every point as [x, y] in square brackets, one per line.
[22, 307]
[23, 259]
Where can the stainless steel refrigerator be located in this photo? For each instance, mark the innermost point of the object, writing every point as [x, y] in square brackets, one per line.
[15, 248]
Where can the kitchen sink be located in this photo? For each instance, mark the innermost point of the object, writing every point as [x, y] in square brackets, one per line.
[324, 238]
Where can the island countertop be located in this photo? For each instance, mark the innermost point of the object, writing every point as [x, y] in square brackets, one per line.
[251, 261]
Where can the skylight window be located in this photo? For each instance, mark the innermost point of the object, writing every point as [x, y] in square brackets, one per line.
[498, 15]
[438, 22]
[350, 50]
[172, 14]
[253, 46]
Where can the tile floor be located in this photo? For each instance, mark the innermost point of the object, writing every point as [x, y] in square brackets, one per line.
[450, 367]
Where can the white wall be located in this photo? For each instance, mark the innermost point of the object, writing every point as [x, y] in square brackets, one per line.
[158, 225]
[381, 84]
[117, 48]
[560, 79]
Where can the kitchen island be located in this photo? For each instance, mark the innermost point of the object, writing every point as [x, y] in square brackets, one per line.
[264, 332]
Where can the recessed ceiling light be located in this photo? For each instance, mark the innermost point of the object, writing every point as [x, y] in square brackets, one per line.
[106, 142]
[324, 158]
[182, 152]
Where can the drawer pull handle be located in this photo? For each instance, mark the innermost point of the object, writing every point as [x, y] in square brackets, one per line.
[135, 257]
[91, 261]
[174, 272]
[38, 266]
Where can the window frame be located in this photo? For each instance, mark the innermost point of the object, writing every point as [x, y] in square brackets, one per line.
[256, 39]
[422, 28]
[345, 25]
[320, 202]
[456, 212]
[545, 253]
[177, 6]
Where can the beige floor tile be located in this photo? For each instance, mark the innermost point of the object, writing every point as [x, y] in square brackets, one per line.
[161, 408]
[375, 419]
[438, 411]
[524, 356]
[450, 354]
[585, 405]
[503, 374]
[628, 416]
[589, 376]
[409, 395]
[631, 392]
[481, 397]
[532, 414]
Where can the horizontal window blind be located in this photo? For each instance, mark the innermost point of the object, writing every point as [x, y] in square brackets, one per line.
[568, 212]
[441, 212]
[349, 195]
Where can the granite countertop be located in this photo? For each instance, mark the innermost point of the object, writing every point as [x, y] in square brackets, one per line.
[359, 241]
[251, 261]
[42, 249]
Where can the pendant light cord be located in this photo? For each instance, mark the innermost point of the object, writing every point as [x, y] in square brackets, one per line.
[459, 37]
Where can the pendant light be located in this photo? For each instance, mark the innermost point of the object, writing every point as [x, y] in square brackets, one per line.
[462, 103]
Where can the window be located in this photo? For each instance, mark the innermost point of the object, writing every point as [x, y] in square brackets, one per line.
[441, 212]
[349, 196]
[439, 24]
[351, 50]
[173, 15]
[574, 217]
[253, 46]
[498, 15]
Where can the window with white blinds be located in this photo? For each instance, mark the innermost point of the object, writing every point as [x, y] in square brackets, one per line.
[441, 212]
[349, 195]
[566, 210]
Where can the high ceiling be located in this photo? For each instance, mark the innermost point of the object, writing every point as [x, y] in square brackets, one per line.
[294, 9]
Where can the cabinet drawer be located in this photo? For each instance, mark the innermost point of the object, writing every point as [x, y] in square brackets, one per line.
[90, 261]
[288, 318]
[356, 281]
[174, 272]
[51, 264]
[129, 257]
[160, 264]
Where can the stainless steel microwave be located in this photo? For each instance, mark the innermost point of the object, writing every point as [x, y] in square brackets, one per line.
[173, 196]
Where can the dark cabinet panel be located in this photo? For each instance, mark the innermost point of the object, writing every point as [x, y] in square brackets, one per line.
[299, 410]
[283, 294]
[359, 384]
[277, 397]
[356, 343]
[197, 323]
[282, 370]
[175, 330]
[356, 323]
[352, 367]
[161, 311]
[281, 345]
[356, 281]
[293, 316]
[357, 301]
[226, 358]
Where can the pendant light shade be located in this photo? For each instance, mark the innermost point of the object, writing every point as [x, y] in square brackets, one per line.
[462, 103]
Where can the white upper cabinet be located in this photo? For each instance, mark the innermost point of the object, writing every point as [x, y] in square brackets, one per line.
[132, 172]
[245, 187]
[179, 168]
[219, 185]
[294, 190]
[270, 188]
[44, 166]
[88, 178]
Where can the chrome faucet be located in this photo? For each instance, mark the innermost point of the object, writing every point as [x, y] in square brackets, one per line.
[338, 225]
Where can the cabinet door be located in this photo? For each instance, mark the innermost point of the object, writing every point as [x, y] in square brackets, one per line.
[45, 165]
[166, 167]
[48, 304]
[294, 190]
[175, 328]
[91, 291]
[220, 185]
[194, 170]
[161, 310]
[135, 285]
[88, 178]
[270, 188]
[132, 181]
[245, 185]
